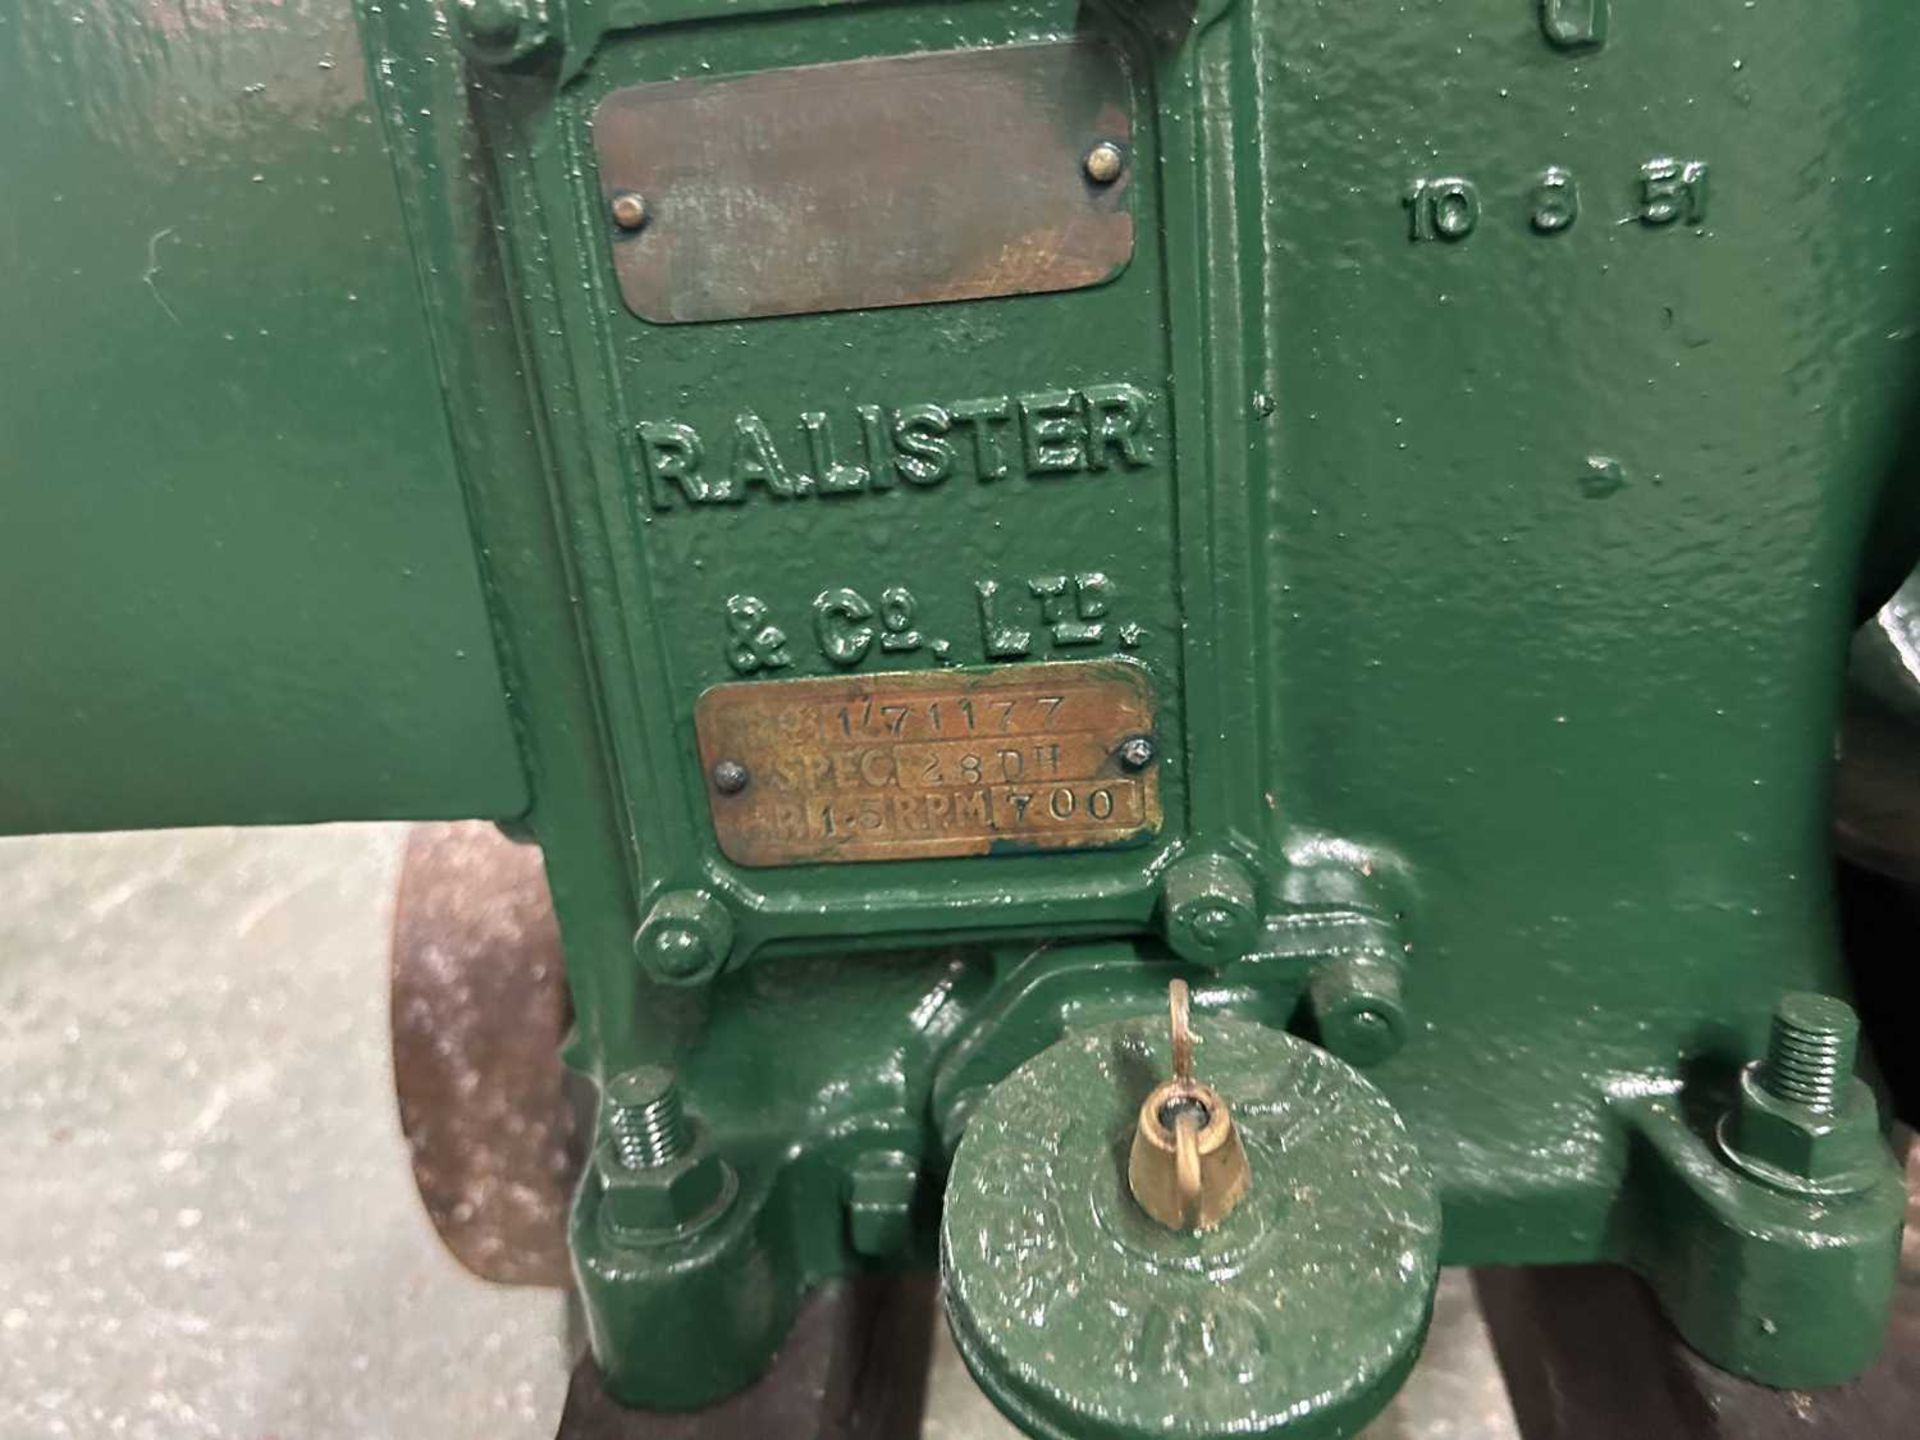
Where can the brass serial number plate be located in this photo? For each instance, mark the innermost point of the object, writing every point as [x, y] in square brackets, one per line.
[929, 764]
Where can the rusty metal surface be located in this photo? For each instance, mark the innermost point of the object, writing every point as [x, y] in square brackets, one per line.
[1876, 794]
[854, 1368]
[479, 1011]
[930, 763]
[901, 180]
[1587, 1356]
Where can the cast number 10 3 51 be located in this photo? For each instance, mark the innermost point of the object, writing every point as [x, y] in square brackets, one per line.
[1449, 207]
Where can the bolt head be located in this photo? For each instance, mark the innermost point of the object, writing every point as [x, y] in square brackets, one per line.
[1211, 925]
[500, 32]
[686, 939]
[1364, 1034]
[1357, 1007]
[679, 951]
[1211, 911]
[629, 210]
[1136, 753]
[730, 777]
[1105, 163]
[493, 22]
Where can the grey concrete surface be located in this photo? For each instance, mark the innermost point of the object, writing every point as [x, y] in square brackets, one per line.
[209, 1227]
[207, 1223]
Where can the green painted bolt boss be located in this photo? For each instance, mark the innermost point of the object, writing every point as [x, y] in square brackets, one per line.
[501, 32]
[1211, 912]
[686, 939]
[881, 1191]
[1357, 1007]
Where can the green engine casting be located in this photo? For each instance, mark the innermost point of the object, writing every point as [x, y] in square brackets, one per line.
[942, 518]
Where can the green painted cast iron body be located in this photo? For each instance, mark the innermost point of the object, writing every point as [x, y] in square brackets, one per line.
[1522, 439]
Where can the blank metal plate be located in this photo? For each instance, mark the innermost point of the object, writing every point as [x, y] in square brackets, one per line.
[903, 180]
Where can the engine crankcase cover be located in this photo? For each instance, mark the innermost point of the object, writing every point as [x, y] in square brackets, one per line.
[1299, 1315]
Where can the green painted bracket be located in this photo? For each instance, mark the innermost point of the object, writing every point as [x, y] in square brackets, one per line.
[1789, 1290]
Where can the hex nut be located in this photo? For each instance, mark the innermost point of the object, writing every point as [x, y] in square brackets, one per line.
[1795, 1147]
[662, 1202]
[686, 938]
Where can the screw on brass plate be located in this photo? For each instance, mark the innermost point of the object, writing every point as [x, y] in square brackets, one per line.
[629, 210]
[1188, 1168]
[1105, 163]
[1136, 753]
[730, 777]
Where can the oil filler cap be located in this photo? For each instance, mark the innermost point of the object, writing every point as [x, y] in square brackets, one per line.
[1282, 1291]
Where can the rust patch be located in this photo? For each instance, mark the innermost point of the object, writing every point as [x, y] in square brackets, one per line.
[901, 180]
[479, 1011]
[931, 764]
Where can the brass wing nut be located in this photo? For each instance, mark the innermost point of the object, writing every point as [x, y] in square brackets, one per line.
[1188, 1168]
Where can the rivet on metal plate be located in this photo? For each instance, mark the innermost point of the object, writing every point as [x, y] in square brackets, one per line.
[1105, 163]
[629, 210]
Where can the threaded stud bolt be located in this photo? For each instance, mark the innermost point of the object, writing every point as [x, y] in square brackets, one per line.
[645, 1119]
[1811, 1051]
